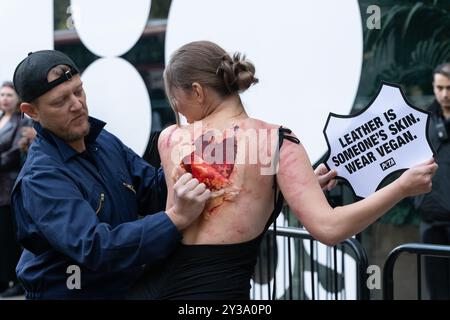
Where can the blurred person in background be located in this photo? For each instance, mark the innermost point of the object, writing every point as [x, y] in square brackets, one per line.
[434, 207]
[11, 126]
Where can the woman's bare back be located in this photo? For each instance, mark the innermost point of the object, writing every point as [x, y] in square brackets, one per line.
[236, 161]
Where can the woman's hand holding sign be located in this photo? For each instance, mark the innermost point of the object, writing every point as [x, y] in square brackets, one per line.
[395, 139]
[417, 179]
[326, 177]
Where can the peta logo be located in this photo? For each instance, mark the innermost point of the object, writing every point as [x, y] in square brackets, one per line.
[387, 164]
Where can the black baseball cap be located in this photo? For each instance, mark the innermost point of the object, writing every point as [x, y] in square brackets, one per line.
[30, 76]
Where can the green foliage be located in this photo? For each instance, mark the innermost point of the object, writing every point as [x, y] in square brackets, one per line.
[402, 214]
[412, 41]
[160, 9]
[60, 14]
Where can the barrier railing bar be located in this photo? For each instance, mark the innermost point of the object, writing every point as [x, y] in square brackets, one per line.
[353, 244]
[419, 278]
[311, 261]
[289, 267]
[268, 266]
[335, 273]
[414, 248]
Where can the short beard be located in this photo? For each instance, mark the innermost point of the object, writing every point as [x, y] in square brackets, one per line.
[71, 137]
[446, 105]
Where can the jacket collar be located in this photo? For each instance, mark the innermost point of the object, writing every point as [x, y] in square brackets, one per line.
[436, 109]
[64, 149]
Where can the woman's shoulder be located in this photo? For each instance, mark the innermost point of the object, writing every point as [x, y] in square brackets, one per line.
[258, 124]
[253, 123]
[165, 137]
[174, 136]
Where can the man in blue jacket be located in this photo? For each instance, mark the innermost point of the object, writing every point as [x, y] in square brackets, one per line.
[80, 192]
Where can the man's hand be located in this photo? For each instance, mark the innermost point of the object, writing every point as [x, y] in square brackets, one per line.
[27, 136]
[325, 177]
[190, 197]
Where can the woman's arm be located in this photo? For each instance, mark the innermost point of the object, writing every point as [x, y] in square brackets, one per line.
[303, 193]
[165, 147]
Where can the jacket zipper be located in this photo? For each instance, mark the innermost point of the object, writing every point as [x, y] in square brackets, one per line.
[100, 206]
[129, 186]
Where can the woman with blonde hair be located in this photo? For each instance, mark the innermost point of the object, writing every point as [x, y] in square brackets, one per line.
[244, 162]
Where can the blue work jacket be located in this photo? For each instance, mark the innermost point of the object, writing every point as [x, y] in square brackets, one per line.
[87, 221]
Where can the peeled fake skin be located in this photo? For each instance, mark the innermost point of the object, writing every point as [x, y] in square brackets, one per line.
[205, 173]
[214, 175]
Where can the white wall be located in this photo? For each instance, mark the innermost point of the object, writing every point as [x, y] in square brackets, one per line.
[24, 26]
[308, 55]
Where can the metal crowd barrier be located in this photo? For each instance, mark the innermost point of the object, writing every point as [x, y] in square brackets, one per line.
[294, 266]
[414, 248]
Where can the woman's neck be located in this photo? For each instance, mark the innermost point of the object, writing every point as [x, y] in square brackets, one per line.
[229, 109]
[8, 113]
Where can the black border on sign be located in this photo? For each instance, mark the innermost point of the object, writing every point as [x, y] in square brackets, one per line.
[331, 114]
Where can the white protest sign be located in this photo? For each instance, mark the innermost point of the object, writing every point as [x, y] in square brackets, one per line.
[387, 136]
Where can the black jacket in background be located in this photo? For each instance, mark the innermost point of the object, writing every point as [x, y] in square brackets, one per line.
[9, 157]
[435, 205]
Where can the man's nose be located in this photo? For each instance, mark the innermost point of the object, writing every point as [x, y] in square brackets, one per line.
[75, 104]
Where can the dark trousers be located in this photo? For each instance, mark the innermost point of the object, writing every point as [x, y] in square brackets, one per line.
[9, 248]
[437, 270]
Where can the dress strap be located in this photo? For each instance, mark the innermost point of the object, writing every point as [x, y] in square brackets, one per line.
[283, 133]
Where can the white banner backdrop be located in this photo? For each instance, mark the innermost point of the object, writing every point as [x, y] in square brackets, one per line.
[25, 26]
[307, 54]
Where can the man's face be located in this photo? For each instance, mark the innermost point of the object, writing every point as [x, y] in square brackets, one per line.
[63, 110]
[441, 88]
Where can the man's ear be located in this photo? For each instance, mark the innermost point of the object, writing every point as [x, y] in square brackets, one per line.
[30, 110]
[198, 92]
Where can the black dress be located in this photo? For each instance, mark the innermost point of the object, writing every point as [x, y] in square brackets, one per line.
[208, 271]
